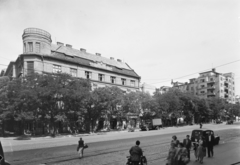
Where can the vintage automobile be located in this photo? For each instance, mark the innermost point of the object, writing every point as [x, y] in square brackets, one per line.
[2, 159]
[201, 132]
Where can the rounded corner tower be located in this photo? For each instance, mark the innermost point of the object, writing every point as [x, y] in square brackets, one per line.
[36, 41]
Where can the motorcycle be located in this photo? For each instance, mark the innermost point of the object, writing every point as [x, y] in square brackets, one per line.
[142, 162]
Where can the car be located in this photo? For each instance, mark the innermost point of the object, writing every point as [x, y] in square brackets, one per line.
[2, 159]
[218, 121]
[146, 126]
[201, 132]
[230, 122]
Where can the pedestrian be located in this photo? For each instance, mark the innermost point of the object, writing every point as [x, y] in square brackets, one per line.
[200, 125]
[210, 143]
[187, 144]
[136, 153]
[171, 154]
[80, 148]
[174, 140]
[181, 155]
[201, 150]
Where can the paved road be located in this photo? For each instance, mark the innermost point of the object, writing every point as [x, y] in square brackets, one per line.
[107, 149]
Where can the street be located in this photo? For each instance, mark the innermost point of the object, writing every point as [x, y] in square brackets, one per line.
[112, 148]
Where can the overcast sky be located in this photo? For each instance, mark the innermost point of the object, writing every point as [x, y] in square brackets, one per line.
[160, 39]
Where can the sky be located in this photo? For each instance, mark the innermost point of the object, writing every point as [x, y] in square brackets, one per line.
[160, 39]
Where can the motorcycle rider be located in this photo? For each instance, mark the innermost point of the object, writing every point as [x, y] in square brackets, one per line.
[136, 153]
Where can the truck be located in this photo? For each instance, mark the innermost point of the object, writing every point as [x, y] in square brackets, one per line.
[151, 124]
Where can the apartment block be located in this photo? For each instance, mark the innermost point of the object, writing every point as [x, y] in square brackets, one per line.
[210, 84]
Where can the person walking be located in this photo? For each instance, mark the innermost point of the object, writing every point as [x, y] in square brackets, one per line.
[187, 144]
[80, 148]
[200, 124]
[210, 143]
[171, 154]
[136, 153]
[174, 140]
[181, 155]
[201, 150]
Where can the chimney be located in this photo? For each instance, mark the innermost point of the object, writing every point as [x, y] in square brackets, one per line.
[111, 58]
[82, 50]
[67, 45]
[119, 60]
[213, 69]
[98, 54]
[60, 43]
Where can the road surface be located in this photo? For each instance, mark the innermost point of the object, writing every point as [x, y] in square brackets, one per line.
[112, 148]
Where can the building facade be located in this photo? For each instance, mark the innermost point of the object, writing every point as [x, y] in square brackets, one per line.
[210, 84]
[41, 56]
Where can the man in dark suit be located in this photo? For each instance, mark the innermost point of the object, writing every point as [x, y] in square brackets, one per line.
[136, 153]
[210, 143]
[187, 144]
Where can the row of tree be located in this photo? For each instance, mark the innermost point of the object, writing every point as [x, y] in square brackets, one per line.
[57, 100]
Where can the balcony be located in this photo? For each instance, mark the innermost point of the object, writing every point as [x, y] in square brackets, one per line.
[211, 81]
[211, 87]
[211, 94]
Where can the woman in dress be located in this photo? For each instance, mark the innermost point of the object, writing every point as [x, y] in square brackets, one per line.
[171, 154]
[201, 150]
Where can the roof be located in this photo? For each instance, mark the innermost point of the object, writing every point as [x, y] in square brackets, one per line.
[88, 63]
[88, 56]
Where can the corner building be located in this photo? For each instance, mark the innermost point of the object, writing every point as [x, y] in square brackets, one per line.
[41, 56]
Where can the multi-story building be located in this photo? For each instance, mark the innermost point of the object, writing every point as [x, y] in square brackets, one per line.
[211, 84]
[148, 88]
[41, 56]
[164, 89]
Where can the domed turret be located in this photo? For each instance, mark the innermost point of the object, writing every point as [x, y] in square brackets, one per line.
[36, 41]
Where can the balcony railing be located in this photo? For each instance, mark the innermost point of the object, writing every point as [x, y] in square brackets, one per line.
[211, 93]
[37, 31]
[211, 87]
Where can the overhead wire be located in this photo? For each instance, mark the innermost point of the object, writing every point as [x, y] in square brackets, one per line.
[196, 72]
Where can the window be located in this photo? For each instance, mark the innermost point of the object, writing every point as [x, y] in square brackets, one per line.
[221, 91]
[113, 79]
[123, 81]
[132, 83]
[30, 46]
[202, 92]
[101, 77]
[202, 86]
[202, 80]
[88, 74]
[24, 48]
[192, 88]
[211, 79]
[37, 47]
[73, 72]
[221, 84]
[30, 67]
[57, 69]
